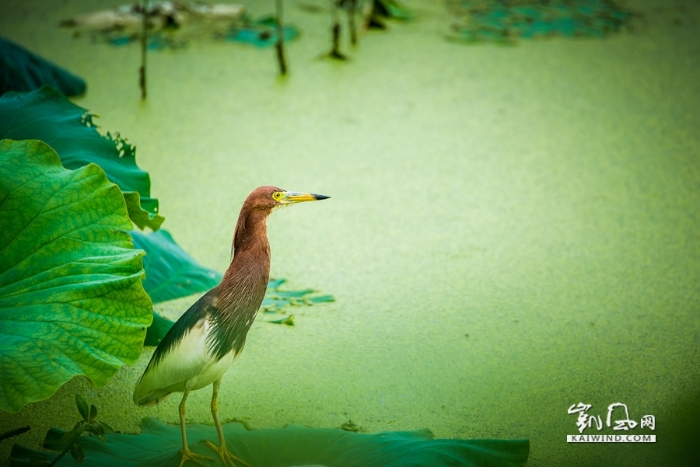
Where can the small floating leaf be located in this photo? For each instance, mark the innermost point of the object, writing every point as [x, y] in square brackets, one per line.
[320, 299]
[275, 283]
[291, 293]
[350, 426]
[287, 320]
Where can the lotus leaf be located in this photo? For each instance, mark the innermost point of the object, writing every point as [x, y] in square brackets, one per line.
[158, 446]
[71, 300]
[21, 70]
[45, 114]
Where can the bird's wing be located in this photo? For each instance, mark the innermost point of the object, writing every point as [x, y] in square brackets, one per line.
[180, 356]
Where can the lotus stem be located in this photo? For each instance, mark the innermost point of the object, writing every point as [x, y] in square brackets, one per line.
[60, 456]
[144, 48]
[335, 38]
[280, 39]
[352, 9]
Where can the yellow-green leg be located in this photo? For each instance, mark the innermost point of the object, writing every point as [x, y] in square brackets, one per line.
[188, 455]
[226, 457]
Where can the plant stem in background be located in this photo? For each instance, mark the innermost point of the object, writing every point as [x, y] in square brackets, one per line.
[351, 9]
[69, 440]
[144, 47]
[15, 432]
[335, 52]
[280, 40]
[60, 456]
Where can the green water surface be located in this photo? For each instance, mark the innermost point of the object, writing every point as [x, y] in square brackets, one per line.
[512, 230]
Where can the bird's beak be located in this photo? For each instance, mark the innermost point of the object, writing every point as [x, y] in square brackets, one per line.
[291, 197]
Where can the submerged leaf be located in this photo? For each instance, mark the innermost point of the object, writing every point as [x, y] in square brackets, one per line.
[45, 114]
[158, 445]
[22, 70]
[71, 300]
[276, 300]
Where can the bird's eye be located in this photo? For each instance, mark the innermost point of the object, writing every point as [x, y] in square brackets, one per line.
[277, 195]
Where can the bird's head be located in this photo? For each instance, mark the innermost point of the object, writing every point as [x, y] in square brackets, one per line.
[267, 198]
[258, 205]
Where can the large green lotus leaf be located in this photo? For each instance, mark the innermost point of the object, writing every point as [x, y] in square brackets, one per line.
[158, 446]
[45, 114]
[22, 70]
[71, 300]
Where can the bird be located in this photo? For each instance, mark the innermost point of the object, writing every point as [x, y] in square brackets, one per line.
[210, 335]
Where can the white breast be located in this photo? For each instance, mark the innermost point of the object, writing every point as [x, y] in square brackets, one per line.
[187, 366]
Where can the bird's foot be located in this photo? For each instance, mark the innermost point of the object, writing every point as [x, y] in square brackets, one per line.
[226, 457]
[188, 455]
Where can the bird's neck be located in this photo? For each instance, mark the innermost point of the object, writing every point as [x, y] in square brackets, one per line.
[241, 292]
[250, 263]
[251, 234]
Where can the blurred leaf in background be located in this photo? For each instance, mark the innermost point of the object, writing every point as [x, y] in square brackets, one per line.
[170, 272]
[22, 70]
[47, 115]
[506, 21]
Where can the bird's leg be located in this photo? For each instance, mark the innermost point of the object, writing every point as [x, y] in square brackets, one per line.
[226, 457]
[188, 455]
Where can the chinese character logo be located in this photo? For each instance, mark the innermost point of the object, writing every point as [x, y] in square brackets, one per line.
[618, 417]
